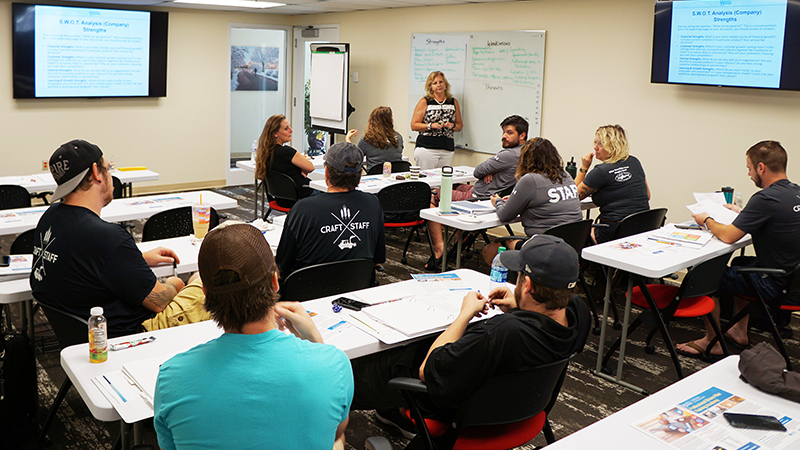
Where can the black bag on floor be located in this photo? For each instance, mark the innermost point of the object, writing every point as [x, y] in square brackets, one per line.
[18, 393]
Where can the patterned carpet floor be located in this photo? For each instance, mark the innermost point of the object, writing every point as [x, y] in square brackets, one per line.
[584, 398]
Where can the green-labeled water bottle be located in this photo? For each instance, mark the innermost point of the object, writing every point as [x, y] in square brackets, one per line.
[446, 191]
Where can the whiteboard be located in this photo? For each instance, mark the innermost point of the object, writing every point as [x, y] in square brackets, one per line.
[493, 74]
[328, 97]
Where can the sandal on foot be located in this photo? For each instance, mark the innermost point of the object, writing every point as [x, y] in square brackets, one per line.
[433, 264]
[701, 352]
[729, 340]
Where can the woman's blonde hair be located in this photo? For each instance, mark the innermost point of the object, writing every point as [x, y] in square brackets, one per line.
[380, 128]
[539, 155]
[266, 145]
[613, 139]
[429, 82]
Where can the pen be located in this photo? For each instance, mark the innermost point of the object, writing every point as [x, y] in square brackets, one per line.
[174, 268]
[665, 242]
[365, 324]
[115, 389]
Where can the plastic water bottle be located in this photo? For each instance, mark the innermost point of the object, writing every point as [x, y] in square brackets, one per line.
[253, 150]
[499, 274]
[446, 192]
[738, 200]
[98, 336]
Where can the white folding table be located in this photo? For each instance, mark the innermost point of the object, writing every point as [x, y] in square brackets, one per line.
[14, 221]
[374, 183]
[643, 257]
[44, 181]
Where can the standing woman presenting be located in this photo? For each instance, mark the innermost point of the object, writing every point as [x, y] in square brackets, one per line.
[618, 185]
[272, 154]
[436, 117]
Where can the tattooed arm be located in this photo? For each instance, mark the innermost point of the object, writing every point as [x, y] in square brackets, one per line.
[162, 294]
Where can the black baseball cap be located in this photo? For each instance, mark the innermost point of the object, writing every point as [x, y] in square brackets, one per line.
[69, 165]
[341, 155]
[547, 260]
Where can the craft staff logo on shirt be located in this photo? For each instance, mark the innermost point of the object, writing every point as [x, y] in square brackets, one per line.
[345, 240]
[42, 254]
[621, 174]
[560, 193]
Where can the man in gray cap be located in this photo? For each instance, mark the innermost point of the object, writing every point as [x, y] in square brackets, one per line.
[543, 322]
[254, 386]
[81, 261]
[340, 224]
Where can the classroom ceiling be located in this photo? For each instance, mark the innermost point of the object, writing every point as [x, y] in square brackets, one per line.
[294, 7]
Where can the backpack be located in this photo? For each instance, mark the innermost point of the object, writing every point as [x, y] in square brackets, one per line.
[18, 391]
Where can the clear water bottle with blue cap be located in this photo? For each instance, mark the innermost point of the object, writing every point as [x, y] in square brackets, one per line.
[253, 150]
[499, 274]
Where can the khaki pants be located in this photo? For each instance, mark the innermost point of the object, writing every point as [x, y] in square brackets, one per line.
[185, 308]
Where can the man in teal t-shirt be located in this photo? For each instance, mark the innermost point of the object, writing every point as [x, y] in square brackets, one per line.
[255, 386]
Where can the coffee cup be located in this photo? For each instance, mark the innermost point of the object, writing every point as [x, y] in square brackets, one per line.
[414, 172]
[201, 217]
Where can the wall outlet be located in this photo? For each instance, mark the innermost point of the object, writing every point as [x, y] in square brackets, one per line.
[45, 167]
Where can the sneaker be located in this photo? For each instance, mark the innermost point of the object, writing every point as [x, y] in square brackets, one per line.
[393, 417]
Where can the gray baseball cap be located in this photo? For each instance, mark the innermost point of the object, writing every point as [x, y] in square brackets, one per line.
[341, 155]
[546, 259]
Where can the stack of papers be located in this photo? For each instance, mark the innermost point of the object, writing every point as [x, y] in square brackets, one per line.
[132, 389]
[714, 206]
[409, 316]
[689, 238]
[471, 208]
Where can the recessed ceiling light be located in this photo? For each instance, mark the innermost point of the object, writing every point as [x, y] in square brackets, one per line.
[235, 3]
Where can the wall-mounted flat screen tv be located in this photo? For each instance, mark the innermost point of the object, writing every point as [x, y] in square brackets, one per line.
[740, 43]
[67, 52]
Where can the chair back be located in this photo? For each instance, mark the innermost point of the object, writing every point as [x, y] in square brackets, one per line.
[280, 185]
[640, 222]
[68, 328]
[117, 187]
[322, 280]
[397, 166]
[576, 234]
[23, 244]
[13, 196]
[704, 278]
[515, 397]
[791, 297]
[409, 196]
[173, 223]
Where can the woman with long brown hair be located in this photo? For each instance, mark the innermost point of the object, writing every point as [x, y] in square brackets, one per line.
[381, 143]
[272, 154]
[544, 196]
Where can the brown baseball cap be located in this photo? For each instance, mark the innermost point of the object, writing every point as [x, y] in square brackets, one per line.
[240, 248]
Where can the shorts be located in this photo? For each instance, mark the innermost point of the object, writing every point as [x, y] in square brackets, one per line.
[461, 192]
[733, 283]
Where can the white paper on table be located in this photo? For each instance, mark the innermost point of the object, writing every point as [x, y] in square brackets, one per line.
[716, 197]
[410, 316]
[718, 212]
[372, 327]
[135, 407]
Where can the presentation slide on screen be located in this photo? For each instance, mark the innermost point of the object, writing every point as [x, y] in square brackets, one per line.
[91, 52]
[727, 43]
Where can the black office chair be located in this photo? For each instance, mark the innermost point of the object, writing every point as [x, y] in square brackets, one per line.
[69, 330]
[789, 301]
[322, 280]
[173, 223]
[13, 196]
[507, 412]
[119, 189]
[664, 302]
[397, 166]
[23, 243]
[281, 187]
[401, 205]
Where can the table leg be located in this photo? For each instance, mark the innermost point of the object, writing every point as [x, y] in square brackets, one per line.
[255, 199]
[446, 230]
[459, 236]
[138, 433]
[603, 323]
[625, 322]
[28, 307]
[125, 435]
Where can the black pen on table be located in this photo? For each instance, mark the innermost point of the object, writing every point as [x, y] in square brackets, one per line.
[174, 268]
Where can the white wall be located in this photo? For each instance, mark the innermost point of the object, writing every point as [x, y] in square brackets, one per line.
[597, 71]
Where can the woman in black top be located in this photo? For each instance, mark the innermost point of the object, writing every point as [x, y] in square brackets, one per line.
[272, 154]
[436, 117]
[618, 185]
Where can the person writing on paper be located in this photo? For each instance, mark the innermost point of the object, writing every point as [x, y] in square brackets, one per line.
[618, 186]
[495, 174]
[274, 154]
[82, 261]
[255, 386]
[772, 218]
[381, 143]
[545, 195]
[543, 322]
[436, 116]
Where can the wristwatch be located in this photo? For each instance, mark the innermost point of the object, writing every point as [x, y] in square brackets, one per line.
[429, 127]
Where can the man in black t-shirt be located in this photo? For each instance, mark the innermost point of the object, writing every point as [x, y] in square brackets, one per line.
[340, 224]
[772, 218]
[82, 261]
[543, 322]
